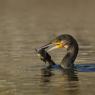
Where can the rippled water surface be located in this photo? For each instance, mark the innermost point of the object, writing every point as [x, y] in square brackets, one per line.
[27, 24]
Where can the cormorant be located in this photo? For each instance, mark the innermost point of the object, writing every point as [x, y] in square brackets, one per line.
[62, 41]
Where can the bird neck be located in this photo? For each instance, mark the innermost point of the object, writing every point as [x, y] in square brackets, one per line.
[69, 58]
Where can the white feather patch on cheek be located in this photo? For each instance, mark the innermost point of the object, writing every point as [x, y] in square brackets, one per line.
[66, 46]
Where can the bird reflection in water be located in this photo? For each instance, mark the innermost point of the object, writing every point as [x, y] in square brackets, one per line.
[67, 82]
[69, 75]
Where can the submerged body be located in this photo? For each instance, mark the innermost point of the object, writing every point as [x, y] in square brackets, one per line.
[62, 41]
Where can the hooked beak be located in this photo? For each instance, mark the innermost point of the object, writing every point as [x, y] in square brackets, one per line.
[53, 45]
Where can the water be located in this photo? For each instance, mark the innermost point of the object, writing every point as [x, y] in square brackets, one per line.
[25, 25]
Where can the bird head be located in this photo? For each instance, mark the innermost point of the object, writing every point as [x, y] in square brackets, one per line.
[62, 41]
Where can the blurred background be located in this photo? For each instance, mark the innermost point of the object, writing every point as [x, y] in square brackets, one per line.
[28, 24]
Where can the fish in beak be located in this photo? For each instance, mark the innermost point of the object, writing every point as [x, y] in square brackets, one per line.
[42, 52]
